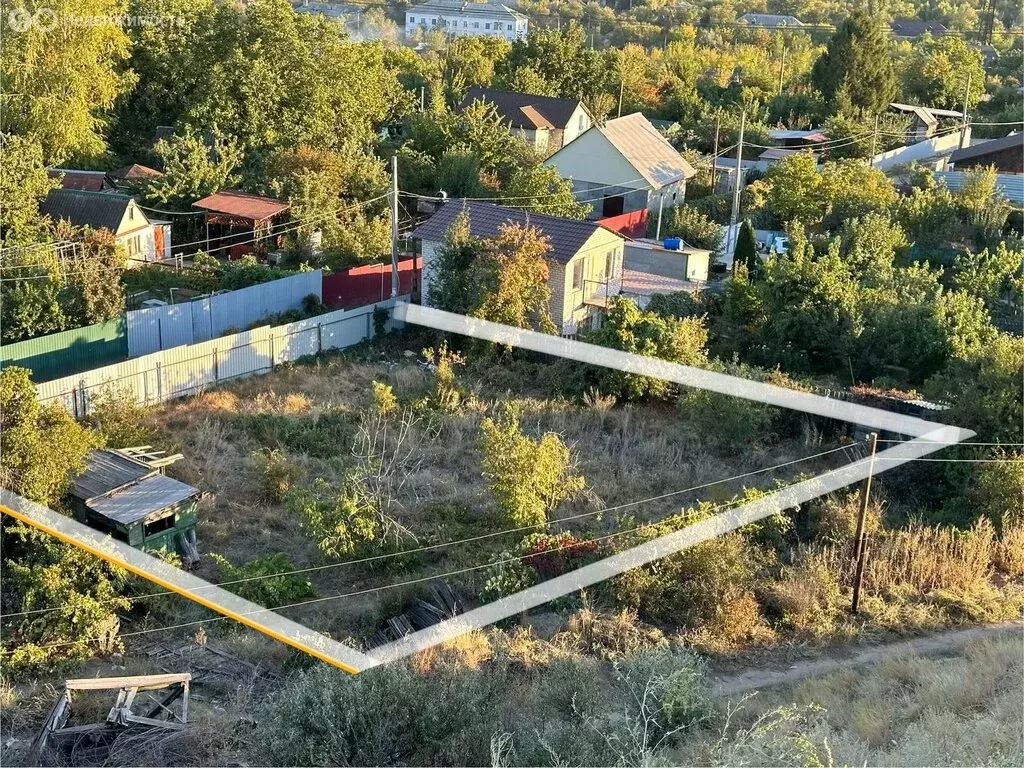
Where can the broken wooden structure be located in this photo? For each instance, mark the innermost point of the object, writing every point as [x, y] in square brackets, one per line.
[131, 692]
[419, 614]
[125, 493]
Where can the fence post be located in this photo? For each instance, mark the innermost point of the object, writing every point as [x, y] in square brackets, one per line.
[273, 362]
[216, 365]
[319, 338]
[159, 383]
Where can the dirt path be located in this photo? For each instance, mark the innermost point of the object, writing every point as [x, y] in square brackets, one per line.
[851, 656]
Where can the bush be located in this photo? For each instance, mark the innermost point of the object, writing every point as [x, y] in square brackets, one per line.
[277, 475]
[341, 520]
[806, 596]
[527, 478]
[384, 400]
[695, 228]
[119, 418]
[263, 586]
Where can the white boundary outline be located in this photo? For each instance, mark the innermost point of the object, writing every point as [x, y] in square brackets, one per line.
[927, 437]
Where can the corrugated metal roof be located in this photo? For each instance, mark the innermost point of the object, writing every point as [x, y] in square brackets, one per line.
[987, 147]
[140, 500]
[646, 150]
[566, 236]
[135, 172]
[462, 6]
[99, 210]
[242, 204]
[107, 470]
[88, 181]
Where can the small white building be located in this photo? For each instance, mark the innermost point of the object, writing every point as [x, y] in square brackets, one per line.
[623, 166]
[456, 17]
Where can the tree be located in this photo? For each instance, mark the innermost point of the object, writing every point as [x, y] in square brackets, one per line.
[41, 446]
[24, 183]
[626, 327]
[527, 478]
[541, 189]
[695, 228]
[60, 77]
[451, 287]
[746, 248]
[938, 71]
[795, 191]
[93, 292]
[192, 169]
[561, 58]
[856, 74]
[995, 276]
[511, 278]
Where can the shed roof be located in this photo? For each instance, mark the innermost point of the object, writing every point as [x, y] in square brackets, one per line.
[644, 148]
[1014, 140]
[770, 20]
[778, 153]
[72, 178]
[242, 205]
[523, 109]
[135, 172]
[916, 27]
[107, 470]
[140, 500]
[99, 210]
[566, 236]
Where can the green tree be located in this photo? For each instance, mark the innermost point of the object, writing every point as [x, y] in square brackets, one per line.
[41, 446]
[795, 191]
[626, 327]
[746, 248]
[192, 169]
[24, 183]
[995, 276]
[856, 73]
[527, 478]
[451, 287]
[541, 189]
[938, 71]
[695, 228]
[60, 78]
[562, 58]
[510, 276]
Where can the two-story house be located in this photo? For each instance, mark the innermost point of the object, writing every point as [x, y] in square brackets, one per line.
[585, 260]
[546, 123]
[457, 17]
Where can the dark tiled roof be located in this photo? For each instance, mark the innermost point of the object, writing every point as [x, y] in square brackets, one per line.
[242, 205]
[566, 236]
[511, 105]
[99, 210]
[916, 27]
[988, 147]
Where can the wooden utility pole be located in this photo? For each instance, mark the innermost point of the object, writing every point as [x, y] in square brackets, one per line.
[394, 226]
[782, 70]
[859, 552]
[963, 128]
[714, 155]
[736, 189]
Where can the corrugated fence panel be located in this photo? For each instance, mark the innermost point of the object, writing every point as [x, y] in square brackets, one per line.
[185, 370]
[68, 352]
[1010, 184]
[158, 328]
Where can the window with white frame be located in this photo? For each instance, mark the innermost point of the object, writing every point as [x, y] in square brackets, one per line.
[609, 264]
[487, 25]
[577, 275]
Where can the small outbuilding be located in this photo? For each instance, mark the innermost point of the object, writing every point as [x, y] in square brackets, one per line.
[237, 223]
[124, 493]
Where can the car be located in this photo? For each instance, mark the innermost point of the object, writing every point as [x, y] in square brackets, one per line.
[780, 245]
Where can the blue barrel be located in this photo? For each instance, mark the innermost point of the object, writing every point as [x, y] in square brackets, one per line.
[673, 243]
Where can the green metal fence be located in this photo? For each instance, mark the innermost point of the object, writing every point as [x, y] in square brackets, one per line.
[69, 352]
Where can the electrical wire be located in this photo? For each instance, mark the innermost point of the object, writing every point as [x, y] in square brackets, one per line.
[471, 539]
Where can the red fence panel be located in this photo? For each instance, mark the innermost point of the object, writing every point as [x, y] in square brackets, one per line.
[359, 286]
[632, 224]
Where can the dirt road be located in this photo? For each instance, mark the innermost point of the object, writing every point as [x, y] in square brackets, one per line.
[938, 644]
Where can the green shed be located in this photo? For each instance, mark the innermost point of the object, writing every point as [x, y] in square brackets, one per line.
[129, 498]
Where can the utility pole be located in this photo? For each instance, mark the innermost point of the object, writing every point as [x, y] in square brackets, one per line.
[661, 206]
[874, 144]
[394, 227]
[714, 155]
[859, 552]
[622, 87]
[736, 189]
[782, 70]
[423, 98]
[967, 96]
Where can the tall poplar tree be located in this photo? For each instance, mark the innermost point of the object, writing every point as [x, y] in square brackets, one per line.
[855, 74]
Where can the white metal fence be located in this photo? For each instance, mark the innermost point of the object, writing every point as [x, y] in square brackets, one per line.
[156, 328]
[185, 370]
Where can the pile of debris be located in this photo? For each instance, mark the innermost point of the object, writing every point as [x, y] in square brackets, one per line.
[442, 604]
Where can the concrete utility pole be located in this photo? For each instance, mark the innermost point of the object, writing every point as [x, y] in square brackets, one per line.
[394, 226]
[782, 70]
[423, 98]
[714, 154]
[874, 144]
[963, 129]
[661, 206]
[622, 87]
[736, 189]
[860, 552]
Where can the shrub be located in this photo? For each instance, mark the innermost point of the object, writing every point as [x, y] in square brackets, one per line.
[341, 520]
[614, 636]
[257, 580]
[528, 478]
[447, 395]
[277, 475]
[119, 418]
[384, 400]
[694, 227]
[806, 596]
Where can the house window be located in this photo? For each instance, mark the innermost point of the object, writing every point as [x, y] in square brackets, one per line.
[577, 276]
[609, 264]
[487, 25]
[476, 25]
[433, 22]
[154, 527]
[465, 24]
[583, 122]
[509, 27]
